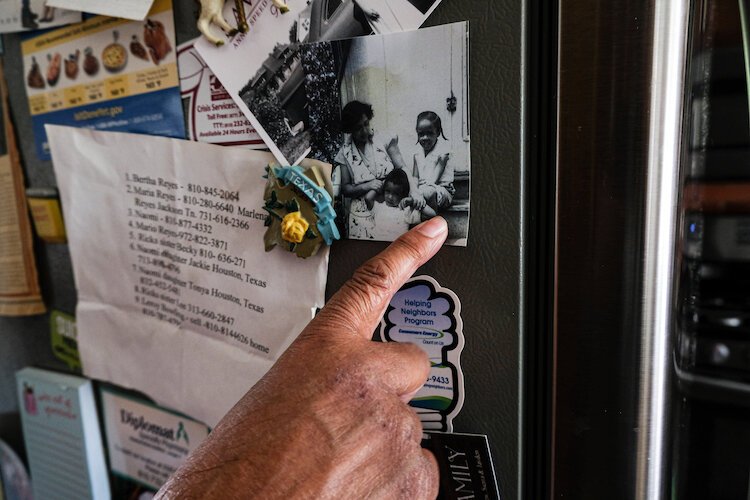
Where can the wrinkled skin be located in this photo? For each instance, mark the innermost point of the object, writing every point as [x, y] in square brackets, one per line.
[330, 419]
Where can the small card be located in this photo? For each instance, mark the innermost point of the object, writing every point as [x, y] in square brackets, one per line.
[465, 463]
[212, 115]
[107, 74]
[147, 443]
[62, 435]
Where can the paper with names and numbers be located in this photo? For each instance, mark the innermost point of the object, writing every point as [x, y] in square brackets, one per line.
[177, 296]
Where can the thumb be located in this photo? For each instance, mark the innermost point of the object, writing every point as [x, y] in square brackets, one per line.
[358, 306]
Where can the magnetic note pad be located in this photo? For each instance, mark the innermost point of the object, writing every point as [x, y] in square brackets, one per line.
[62, 436]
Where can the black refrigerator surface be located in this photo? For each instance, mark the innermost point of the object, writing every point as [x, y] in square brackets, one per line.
[485, 275]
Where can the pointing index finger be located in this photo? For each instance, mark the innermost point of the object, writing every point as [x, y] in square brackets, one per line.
[358, 306]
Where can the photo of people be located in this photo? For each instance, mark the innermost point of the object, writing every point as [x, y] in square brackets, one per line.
[391, 114]
[272, 87]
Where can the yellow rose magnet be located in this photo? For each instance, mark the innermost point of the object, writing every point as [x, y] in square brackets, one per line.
[300, 210]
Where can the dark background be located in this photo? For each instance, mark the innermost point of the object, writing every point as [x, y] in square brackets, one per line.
[485, 275]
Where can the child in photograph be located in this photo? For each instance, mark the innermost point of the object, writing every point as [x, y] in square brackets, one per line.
[395, 213]
[432, 168]
[362, 166]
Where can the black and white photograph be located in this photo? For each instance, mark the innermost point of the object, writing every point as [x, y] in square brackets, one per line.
[275, 92]
[391, 114]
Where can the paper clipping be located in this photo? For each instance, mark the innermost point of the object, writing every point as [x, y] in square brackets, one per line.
[129, 9]
[261, 69]
[177, 297]
[19, 285]
[212, 115]
[106, 73]
[20, 294]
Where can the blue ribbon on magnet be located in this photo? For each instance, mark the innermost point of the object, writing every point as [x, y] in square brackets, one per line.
[318, 196]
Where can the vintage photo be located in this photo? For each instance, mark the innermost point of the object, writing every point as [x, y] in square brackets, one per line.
[275, 93]
[391, 114]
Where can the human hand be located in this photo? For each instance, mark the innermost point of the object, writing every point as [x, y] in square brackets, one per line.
[391, 144]
[442, 160]
[330, 419]
[418, 202]
[375, 185]
[405, 202]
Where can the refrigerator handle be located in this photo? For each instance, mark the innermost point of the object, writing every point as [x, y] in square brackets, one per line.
[667, 97]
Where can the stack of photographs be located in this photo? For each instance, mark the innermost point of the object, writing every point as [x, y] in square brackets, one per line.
[354, 83]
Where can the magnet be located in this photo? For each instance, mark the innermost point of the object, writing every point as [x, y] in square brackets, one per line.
[300, 210]
[64, 339]
[44, 204]
[427, 315]
[212, 13]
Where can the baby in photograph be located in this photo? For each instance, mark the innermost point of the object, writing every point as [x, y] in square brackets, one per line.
[432, 169]
[395, 213]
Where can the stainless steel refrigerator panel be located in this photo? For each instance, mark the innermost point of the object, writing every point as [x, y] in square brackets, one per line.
[621, 72]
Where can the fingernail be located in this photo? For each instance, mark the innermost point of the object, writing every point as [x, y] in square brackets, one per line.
[433, 227]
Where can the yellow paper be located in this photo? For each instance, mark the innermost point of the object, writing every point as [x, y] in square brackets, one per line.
[48, 220]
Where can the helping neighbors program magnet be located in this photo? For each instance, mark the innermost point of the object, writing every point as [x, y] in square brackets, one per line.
[428, 315]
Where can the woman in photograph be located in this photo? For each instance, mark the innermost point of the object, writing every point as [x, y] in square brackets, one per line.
[363, 165]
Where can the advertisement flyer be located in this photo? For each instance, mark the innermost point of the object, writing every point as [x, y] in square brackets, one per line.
[146, 443]
[108, 74]
[167, 242]
[22, 15]
[212, 115]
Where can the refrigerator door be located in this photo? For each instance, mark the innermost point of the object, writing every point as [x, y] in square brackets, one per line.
[620, 89]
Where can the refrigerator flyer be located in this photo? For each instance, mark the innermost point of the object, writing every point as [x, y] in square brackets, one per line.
[107, 74]
[146, 443]
[212, 115]
[425, 314]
